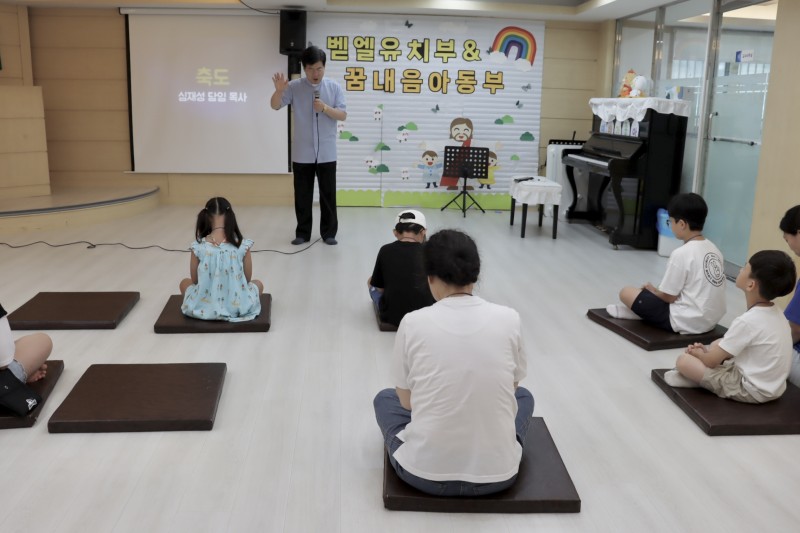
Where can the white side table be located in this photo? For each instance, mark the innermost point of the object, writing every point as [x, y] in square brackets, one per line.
[535, 191]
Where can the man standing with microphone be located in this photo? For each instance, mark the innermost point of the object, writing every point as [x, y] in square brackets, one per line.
[317, 104]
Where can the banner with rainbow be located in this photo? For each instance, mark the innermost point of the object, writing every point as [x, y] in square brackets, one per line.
[417, 85]
[516, 44]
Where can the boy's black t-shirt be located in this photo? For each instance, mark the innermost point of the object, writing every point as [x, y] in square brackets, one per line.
[399, 271]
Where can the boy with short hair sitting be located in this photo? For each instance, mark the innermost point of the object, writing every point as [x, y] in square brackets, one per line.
[691, 296]
[398, 284]
[752, 361]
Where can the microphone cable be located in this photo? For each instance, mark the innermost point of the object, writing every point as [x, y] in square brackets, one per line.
[316, 155]
[91, 245]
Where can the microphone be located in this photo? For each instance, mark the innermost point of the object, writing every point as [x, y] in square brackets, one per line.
[316, 97]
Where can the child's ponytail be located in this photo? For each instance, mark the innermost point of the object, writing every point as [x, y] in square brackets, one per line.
[218, 206]
[203, 226]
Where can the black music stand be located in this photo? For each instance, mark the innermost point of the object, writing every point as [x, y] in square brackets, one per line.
[465, 162]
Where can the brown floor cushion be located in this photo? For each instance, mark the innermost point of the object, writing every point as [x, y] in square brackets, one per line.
[543, 485]
[383, 326]
[73, 310]
[172, 320]
[718, 416]
[650, 337]
[142, 397]
[43, 388]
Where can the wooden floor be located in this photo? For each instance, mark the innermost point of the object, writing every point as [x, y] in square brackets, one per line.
[295, 447]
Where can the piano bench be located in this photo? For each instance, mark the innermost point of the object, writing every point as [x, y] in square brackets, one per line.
[535, 191]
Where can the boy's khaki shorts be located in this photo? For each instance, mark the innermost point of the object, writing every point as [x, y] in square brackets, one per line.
[726, 382]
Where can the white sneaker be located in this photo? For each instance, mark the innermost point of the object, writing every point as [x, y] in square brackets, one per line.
[621, 311]
[673, 378]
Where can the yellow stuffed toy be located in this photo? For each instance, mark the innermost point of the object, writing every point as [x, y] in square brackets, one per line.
[627, 84]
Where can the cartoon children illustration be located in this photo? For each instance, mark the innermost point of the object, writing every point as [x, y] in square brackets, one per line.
[489, 181]
[461, 130]
[431, 169]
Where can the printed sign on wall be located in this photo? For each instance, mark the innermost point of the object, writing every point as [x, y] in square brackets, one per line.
[415, 85]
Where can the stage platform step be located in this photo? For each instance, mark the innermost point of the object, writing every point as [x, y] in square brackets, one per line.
[72, 206]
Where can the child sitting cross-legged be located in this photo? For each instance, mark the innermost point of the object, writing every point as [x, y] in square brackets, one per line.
[691, 296]
[221, 286]
[398, 284]
[752, 361]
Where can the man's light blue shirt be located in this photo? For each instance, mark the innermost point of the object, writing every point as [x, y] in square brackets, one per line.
[314, 138]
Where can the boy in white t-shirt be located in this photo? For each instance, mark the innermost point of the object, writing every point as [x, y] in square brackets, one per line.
[752, 361]
[691, 296]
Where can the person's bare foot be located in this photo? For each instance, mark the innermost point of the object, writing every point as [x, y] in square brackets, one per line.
[39, 374]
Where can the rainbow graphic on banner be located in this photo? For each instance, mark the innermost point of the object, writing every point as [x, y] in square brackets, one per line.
[515, 43]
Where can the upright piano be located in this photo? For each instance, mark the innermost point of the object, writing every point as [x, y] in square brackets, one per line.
[637, 146]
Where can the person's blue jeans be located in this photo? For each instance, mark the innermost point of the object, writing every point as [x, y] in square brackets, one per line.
[376, 295]
[393, 418]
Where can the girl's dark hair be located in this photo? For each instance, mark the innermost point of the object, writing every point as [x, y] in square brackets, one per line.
[452, 256]
[774, 271]
[790, 223]
[218, 206]
[312, 55]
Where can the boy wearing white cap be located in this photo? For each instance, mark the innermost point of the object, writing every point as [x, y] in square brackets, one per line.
[398, 284]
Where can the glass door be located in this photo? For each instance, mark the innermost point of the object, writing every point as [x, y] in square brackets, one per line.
[733, 134]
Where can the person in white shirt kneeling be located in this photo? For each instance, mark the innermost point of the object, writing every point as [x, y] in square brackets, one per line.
[455, 424]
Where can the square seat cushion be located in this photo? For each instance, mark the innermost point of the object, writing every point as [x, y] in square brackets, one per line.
[172, 320]
[142, 397]
[650, 337]
[717, 416]
[73, 310]
[43, 388]
[383, 326]
[543, 485]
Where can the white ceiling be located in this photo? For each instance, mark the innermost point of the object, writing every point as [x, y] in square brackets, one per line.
[578, 10]
[575, 10]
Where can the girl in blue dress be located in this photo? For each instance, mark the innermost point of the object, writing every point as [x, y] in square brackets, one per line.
[221, 269]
